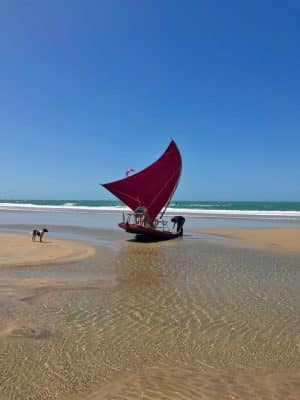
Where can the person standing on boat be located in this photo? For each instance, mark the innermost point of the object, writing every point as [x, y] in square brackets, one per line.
[139, 214]
[142, 217]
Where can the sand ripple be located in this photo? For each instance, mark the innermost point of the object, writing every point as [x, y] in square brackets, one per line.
[180, 320]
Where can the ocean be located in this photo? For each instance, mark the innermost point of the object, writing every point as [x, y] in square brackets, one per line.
[201, 208]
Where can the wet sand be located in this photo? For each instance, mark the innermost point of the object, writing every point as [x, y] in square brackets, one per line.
[280, 238]
[190, 318]
[18, 250]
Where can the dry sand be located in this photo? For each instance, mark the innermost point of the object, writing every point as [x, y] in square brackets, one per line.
[280, 238]
[18, 250]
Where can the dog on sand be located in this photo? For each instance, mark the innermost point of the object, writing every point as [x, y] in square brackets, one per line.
[38, 233]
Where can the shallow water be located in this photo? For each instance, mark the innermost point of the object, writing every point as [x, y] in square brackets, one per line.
[184, 319]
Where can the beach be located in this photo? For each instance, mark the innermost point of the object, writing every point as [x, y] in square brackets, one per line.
[154, 147]
[212, 315]
[18, 250]
[278, 238]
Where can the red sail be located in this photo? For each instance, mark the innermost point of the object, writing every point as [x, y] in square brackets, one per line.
[152, 187]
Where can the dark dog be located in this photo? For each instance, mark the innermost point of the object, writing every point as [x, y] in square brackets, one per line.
[39, 234]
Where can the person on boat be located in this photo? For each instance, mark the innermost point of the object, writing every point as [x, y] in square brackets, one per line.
[142, 217]
[179, 221]
[139, 213]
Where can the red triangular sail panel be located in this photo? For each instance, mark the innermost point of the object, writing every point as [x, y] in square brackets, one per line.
[153, 186]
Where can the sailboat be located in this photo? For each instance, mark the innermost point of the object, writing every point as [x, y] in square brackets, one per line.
[148, 193]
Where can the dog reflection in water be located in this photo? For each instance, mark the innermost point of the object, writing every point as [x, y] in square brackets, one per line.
[36, 233]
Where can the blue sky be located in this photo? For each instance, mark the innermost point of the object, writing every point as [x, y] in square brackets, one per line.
[90, 88]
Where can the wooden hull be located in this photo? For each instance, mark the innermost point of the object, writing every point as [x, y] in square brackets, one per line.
[147, 232]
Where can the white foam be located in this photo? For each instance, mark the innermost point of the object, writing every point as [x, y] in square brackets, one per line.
[234, 212]
[63, 207]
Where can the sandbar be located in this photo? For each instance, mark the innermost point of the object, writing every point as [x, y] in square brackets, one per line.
[280, 238]
[20, 250]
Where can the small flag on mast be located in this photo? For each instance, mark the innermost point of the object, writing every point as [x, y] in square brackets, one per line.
[128, 170]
